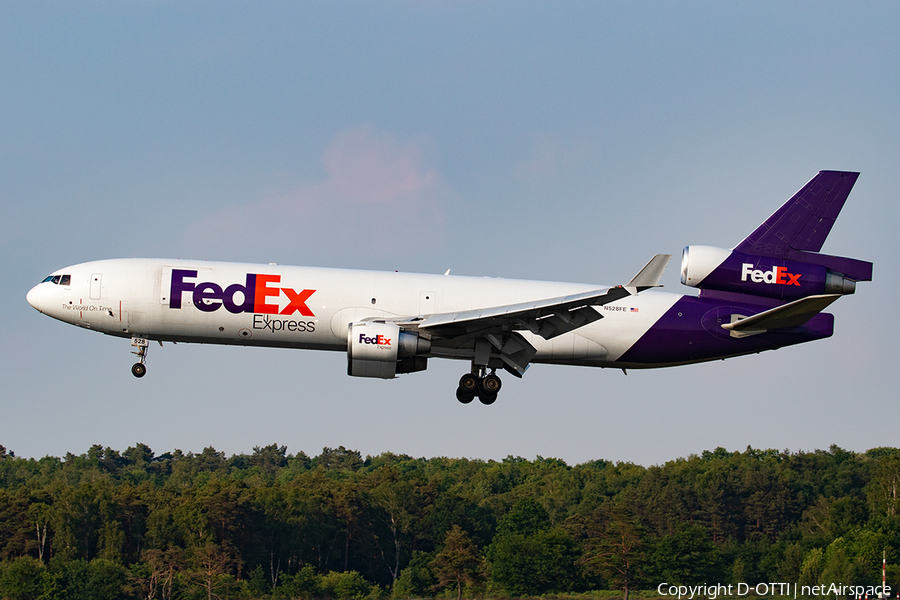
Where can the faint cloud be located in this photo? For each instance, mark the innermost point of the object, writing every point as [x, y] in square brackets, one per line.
[365, 167]
[551, 157]
[378, 195]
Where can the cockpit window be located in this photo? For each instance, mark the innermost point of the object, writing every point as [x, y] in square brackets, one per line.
[58, 279]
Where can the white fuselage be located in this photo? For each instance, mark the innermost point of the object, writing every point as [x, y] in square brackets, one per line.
[306, 307]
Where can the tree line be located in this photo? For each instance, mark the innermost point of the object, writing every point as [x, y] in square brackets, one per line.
[134, 524]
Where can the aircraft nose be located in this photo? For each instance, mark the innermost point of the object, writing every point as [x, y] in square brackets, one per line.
[34, 297]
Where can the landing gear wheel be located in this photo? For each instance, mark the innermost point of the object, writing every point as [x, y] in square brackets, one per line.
[468, 383]
[464, 396]
[491, 384]
[138, 369]
[487, 398]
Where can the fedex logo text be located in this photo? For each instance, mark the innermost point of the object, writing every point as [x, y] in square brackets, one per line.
[378, 340]
[777, 275]
[252, 297]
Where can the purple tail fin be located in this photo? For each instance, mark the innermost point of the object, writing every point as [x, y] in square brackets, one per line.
[781, 259]
[804, 221]
[797, 230]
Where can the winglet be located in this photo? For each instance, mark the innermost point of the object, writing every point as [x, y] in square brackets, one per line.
[650, 275]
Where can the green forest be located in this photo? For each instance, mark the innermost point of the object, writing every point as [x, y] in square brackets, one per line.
[136, 524]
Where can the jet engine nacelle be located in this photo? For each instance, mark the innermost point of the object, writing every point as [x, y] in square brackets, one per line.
[377, 349]
[709, 268]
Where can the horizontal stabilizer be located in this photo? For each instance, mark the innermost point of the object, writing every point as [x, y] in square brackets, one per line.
[793, 314]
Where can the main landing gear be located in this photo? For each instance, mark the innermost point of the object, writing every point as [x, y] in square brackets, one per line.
[478, 384]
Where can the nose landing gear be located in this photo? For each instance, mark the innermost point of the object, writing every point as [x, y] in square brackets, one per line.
[478, 384]
[139, 369]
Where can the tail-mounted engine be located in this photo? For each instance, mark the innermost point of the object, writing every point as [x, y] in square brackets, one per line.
[709, 268]
[378, 349]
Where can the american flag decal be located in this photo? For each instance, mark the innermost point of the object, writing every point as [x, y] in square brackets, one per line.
[635, 310]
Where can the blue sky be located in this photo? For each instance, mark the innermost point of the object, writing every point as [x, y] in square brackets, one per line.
[532, 140]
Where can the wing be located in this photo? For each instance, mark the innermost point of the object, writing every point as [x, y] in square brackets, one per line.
[553, 316]
[548, 318]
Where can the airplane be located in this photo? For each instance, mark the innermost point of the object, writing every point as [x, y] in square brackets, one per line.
[767, 292]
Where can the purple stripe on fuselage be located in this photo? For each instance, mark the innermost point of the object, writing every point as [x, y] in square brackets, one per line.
[691, 332]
